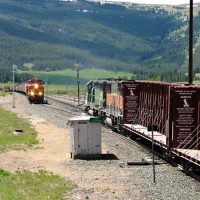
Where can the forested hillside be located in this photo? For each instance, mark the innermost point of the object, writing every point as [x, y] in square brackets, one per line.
[63, 34]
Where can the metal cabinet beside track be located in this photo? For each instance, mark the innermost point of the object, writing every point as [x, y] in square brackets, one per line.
[85, 137]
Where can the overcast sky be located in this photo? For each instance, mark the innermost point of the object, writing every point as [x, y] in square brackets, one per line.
[169, 2]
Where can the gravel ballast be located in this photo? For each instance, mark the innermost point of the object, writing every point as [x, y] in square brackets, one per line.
[106, 178]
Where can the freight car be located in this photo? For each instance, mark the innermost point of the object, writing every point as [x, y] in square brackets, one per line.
[133, 106]
[33, 89]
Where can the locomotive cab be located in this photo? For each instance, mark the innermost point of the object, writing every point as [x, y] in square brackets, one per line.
[35, 90]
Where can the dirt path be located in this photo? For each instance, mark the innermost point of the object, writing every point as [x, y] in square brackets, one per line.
[49, 154]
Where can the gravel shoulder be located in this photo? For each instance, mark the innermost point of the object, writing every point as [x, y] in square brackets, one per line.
[97, 179]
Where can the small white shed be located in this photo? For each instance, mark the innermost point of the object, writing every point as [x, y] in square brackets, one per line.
[85, 137]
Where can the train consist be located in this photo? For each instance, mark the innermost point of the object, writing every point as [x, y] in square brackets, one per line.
[33, 89]
[166, 113]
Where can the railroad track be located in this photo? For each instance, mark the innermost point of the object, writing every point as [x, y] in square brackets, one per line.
[146, 151]
[67, 99]
[65, 105]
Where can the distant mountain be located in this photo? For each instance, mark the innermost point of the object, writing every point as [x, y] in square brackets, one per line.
[64, 34]
[154, 2]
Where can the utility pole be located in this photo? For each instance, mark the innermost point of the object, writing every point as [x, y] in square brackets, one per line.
[153, 160]
[190, 69]
[14, 68]
[78, 84]
[152, 128]
[47, 70]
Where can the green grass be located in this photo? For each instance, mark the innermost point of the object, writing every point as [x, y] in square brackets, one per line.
[26, 185]
[69, 76]
[6, 84]
[9, 122]
[3, 94]
[65, 89]
[28, 65]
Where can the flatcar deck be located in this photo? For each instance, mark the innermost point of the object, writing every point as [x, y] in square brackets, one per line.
[188, 154]
[159, 139]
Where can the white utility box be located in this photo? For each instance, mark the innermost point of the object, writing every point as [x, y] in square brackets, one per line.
[85, 137]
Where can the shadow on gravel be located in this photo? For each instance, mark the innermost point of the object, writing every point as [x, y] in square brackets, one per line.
[109, 156]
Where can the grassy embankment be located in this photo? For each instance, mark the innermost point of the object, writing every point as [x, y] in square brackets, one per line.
[9, 123]
[25, 185]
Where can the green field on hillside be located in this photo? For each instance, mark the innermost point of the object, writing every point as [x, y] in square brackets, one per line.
[69, 76]
[65, 89]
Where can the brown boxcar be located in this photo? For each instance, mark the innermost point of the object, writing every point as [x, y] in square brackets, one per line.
[185, 117]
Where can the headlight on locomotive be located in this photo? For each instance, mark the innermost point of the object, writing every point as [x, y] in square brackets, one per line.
[40, 93]
[32, 93]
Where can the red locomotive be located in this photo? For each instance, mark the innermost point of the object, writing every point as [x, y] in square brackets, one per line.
[33, 89]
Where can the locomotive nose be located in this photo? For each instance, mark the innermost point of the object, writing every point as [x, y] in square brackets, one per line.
[36, 86]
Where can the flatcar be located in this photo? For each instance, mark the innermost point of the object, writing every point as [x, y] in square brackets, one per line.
[133, 106]
[33, 89]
